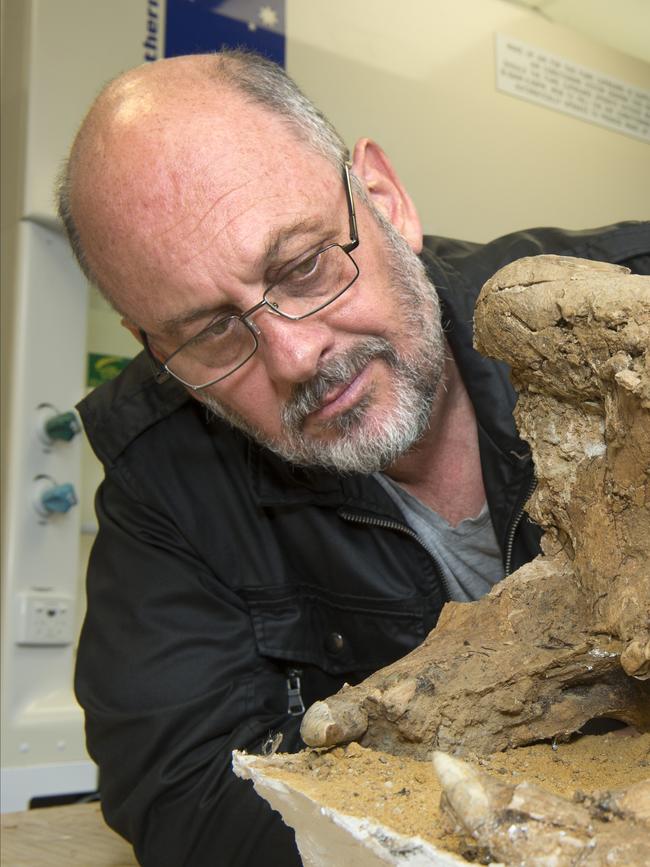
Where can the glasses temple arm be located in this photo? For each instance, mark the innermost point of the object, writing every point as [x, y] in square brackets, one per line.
[354, 234]
[160, 372]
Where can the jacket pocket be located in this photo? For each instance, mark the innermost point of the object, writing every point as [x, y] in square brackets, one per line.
[335, 632]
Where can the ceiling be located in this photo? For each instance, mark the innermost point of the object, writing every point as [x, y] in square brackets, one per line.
[621, 24]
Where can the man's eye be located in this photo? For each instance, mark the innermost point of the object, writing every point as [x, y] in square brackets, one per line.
[222, 326]
[303, 277]
[306, 268]
[216, 330]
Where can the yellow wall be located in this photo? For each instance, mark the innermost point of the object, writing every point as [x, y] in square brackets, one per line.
[419, 76]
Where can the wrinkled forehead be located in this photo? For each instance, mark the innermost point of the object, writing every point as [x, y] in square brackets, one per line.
[160, 184]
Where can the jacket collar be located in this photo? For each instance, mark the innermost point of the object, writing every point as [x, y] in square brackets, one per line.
[121, 410]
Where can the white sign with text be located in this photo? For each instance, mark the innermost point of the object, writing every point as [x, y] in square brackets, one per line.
[555, 82]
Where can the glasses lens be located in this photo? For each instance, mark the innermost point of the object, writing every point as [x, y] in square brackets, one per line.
[313, 283]
[227, 343]
[214, 353]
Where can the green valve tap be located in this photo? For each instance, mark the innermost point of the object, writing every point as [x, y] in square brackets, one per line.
[63, 426]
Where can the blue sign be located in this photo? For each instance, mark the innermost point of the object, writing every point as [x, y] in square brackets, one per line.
[195, 26]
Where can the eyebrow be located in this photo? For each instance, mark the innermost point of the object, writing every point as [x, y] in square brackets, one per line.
[273, 245]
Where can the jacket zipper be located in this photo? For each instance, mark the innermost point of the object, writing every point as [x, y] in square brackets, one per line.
[296, 706]
[386, 524]
[510, 539]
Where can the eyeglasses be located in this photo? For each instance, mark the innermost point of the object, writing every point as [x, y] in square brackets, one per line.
[229, 342]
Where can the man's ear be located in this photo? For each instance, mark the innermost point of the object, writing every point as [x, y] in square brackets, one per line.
[138, 334]
[135, 331]
[373, 168]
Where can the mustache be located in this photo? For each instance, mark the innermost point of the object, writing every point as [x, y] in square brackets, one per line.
[307, 397]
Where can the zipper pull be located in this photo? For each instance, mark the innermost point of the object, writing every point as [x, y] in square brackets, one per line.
[296, 706]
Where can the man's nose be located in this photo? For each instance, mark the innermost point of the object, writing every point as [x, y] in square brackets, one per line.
[292, 349]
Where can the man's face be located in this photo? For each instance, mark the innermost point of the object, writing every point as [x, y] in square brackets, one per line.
[325, 422]
[196, 214]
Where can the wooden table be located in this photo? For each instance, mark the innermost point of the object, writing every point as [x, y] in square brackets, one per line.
[73, 836]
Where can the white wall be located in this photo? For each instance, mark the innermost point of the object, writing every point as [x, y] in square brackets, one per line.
[51, 64]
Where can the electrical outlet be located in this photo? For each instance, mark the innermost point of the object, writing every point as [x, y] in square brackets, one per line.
[45, 618]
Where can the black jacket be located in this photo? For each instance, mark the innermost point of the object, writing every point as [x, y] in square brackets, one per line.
[221, 576]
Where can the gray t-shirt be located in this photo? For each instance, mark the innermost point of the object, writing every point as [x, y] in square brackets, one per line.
[468, 555]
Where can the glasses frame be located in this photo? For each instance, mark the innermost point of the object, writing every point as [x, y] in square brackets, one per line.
[162, 371]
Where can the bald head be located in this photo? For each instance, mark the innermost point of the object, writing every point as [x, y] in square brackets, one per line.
[151, 135]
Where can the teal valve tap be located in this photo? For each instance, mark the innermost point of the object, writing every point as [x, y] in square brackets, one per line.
[63, 426]
[60, 498]
[52, 498]
[54, 426]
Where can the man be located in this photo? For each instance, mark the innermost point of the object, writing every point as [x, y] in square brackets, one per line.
[308, 460]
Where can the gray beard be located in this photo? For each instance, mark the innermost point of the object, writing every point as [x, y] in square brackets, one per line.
[356, 442]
